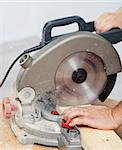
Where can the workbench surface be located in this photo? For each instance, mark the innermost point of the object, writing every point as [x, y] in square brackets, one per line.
[92, 139]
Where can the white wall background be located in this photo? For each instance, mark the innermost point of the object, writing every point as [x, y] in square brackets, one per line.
[21, 23]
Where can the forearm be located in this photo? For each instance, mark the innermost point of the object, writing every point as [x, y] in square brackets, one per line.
[109, 20]
[119, 17]
[117, 114]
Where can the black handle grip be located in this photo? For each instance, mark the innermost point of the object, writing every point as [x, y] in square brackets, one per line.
[46, 33]
[114, 35]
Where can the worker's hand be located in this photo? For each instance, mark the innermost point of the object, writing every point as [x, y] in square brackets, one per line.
[108, 21]
[100, 117]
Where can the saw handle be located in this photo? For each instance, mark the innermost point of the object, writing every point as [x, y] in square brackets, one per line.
[114, 35]
[46, 33]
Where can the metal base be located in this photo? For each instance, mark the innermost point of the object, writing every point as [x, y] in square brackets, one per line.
[31, 137]
[34, 123]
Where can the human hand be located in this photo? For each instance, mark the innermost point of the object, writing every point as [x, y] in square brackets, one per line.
[107, 21]
[100, 117]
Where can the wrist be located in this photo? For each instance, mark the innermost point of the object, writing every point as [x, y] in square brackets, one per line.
[118, 16]
[117, 116]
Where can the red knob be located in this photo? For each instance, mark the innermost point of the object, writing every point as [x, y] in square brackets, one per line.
[54, 113]
[7, 107]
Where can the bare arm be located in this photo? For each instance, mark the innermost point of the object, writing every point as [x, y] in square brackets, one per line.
[117, 113]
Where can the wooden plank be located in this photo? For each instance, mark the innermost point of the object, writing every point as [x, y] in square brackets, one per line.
[92, 139]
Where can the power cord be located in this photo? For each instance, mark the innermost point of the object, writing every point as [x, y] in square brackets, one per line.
[35, 48]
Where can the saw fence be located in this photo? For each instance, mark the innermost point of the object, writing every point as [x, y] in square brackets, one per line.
[92, 139]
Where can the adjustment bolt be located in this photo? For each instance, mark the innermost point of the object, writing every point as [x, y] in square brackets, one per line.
[73, 133]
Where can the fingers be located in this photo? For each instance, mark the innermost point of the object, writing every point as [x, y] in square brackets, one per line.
[70, 113]
[105, 22]
[81, 121]
[94, 116]
[77, 121]
[74, 112]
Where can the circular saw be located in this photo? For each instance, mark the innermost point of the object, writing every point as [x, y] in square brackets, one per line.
[71, 69]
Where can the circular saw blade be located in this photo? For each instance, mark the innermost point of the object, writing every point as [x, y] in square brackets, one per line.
[79, 79]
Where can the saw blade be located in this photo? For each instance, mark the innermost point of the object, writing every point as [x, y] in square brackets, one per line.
[79, 79]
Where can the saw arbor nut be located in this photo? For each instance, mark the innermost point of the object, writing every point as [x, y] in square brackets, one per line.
[7, 107]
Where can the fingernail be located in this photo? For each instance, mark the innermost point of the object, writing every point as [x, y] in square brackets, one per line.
[70, 124]
[68, 121]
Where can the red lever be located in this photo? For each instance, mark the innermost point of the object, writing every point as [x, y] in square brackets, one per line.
[63, 122]
[54, 113]
[65, 125]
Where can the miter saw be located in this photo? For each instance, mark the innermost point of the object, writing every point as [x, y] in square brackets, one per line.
[72, 69]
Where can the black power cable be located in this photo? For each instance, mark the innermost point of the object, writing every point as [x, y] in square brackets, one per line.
[13, 63]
